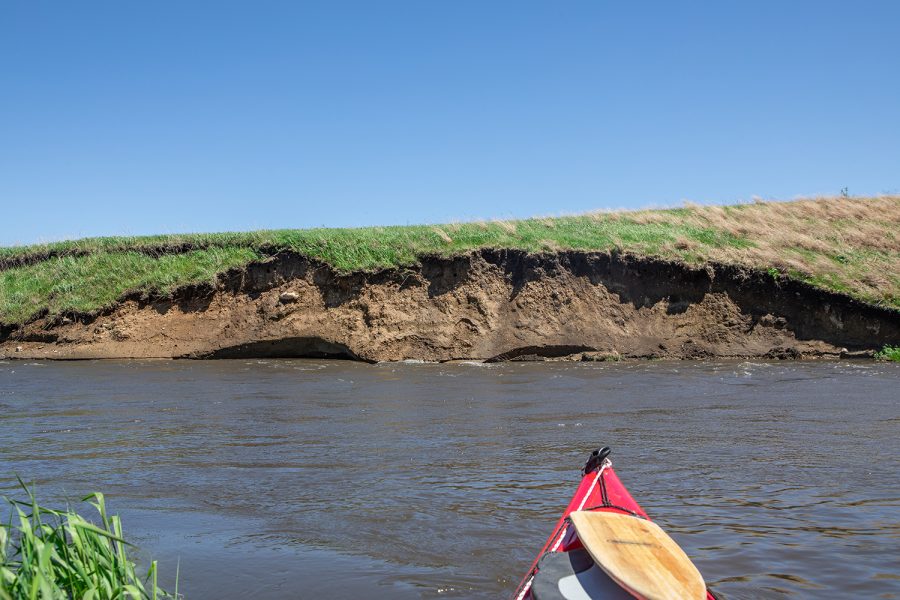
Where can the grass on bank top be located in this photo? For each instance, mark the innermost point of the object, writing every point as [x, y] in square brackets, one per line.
[86, 283]
[847, 245]
[60, 555]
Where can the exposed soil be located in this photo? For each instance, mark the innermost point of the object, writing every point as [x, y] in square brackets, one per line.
[487, 305]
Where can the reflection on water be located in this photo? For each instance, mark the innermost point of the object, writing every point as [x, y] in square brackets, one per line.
[316, 479]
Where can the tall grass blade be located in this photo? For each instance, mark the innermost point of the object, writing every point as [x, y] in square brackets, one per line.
[48, 554]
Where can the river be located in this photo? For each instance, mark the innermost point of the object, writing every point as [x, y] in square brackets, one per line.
[335, 479]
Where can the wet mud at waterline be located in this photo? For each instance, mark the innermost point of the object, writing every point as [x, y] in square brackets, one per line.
[495, 305]
[330, 479]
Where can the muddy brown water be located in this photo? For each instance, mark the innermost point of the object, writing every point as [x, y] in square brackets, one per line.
[334, 479]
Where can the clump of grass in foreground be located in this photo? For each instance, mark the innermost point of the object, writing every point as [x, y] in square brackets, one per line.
[59, 555]
[889, 353]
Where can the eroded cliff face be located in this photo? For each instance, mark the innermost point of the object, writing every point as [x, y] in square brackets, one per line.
[488, 305]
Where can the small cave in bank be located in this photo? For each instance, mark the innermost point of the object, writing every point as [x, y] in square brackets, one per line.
[292, 347]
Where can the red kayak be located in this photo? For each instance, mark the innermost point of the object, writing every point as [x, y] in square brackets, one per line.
[563, 569]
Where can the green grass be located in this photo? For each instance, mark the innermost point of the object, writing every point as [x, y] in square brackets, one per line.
[59, 555]
[368, 248]
[889, 353]
[848, 246]
[86, 283]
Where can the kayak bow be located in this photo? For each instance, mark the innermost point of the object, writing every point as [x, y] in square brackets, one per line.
[648, 566]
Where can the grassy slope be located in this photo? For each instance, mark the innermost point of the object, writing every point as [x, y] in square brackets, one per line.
[846, 245]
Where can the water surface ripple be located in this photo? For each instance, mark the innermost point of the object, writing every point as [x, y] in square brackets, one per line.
[313, 479]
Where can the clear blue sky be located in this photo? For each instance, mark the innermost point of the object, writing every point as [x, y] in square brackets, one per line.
[144, 117]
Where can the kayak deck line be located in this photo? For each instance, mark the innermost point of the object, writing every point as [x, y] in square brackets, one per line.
[564, 567]
[606, 463]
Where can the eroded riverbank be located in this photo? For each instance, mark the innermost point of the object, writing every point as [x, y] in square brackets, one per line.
[487, 305]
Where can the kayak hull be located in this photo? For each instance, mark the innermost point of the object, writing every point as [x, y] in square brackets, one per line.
[599, 490]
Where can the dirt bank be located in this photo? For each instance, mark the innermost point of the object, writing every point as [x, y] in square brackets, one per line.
[490, 304]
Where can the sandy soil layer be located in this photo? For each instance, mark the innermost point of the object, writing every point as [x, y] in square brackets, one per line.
[487, 305]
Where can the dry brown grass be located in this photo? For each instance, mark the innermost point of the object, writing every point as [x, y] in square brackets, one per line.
[850, 244]
[506, 226]
[443, 235]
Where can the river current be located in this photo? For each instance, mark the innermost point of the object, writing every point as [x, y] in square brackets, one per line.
[333, 479]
